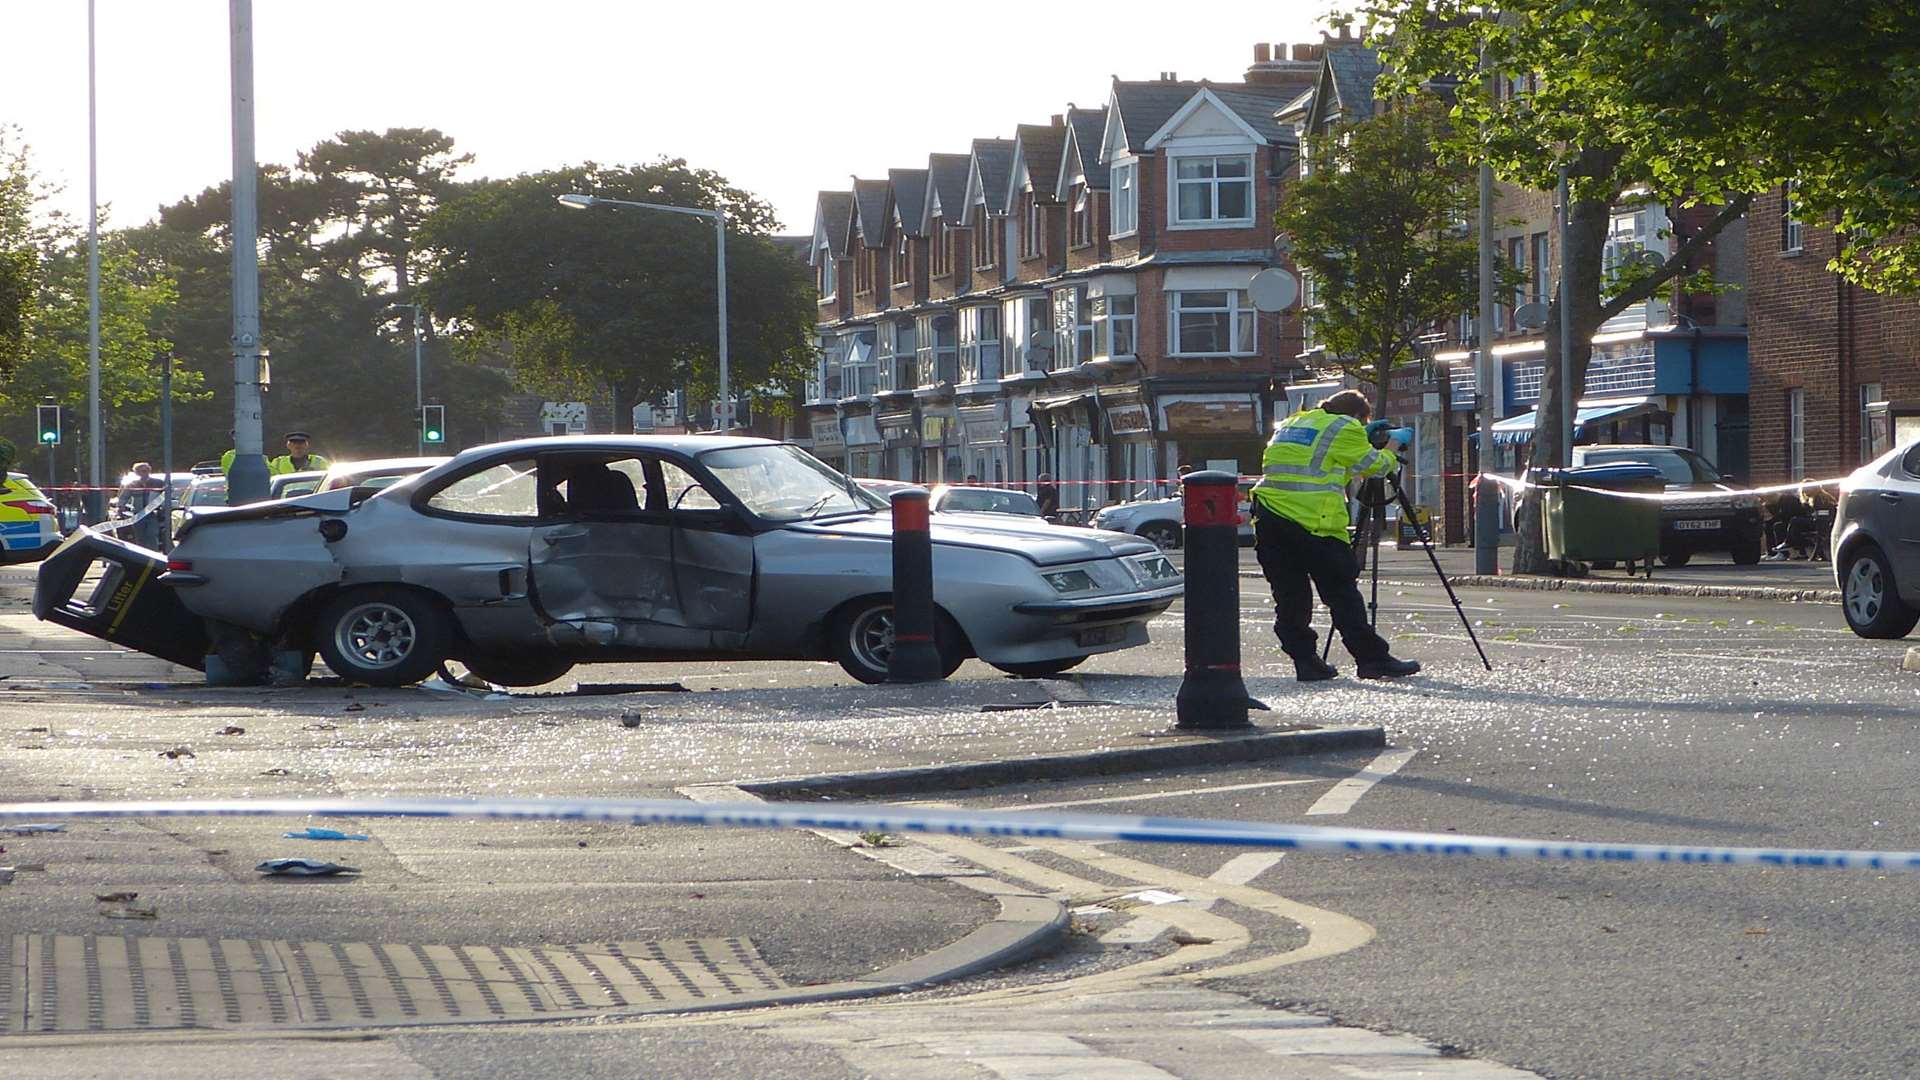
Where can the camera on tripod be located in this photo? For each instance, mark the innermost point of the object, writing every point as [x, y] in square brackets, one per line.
[1381, 431]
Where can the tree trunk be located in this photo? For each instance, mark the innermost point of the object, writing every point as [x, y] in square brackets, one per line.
[622, 394]
[1581, 264]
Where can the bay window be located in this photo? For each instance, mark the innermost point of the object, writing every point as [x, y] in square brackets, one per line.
[1126, 199]
[1213, 190]
[980, 344]
[1072, 328]
[1213, 322]
[936, 358]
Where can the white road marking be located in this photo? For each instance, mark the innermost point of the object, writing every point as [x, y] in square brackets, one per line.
[1485, 640]
[1242, 869]
[1753, 659]
[1348, 791]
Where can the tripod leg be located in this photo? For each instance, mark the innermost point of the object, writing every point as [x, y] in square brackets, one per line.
[1426, 542]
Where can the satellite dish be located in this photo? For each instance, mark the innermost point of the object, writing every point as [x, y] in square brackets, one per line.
[1531, 315]
[1273, 290]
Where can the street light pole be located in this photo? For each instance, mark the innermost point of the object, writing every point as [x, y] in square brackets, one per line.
[1567, 403]
[719, 216]
[96, 438]
[247, 480]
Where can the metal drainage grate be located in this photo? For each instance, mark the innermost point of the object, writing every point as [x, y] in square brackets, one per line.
[69, 983]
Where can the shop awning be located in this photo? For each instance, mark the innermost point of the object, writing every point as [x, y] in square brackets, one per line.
[1515, 430]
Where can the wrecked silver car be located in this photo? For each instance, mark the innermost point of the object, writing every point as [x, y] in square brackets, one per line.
[522, 559]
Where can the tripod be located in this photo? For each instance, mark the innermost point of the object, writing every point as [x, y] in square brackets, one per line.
[1373, 502]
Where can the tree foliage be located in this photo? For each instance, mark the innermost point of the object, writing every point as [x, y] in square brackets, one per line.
[1706, 102]
[620, 301]
[1373, 223]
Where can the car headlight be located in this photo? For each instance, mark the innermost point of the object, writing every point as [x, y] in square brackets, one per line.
[1746, 502]
[1071, 581]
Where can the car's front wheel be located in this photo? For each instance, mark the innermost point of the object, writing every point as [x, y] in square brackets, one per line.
[1043, 668]
[1873, 608]
[1164, 535]
[1747, 552]
[383, 636]
[861, 638]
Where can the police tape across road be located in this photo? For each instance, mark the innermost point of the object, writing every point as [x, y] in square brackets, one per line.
[1519, 484]
[882, 818]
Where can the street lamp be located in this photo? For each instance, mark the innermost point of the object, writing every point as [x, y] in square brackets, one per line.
[719, 216]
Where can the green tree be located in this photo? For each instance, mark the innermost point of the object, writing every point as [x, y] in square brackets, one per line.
[1707, 102]
[383, 186]
[19, 252]
[1373, 224]
[620, 302]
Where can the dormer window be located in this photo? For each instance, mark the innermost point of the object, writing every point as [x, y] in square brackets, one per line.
[1213, 190]
[1126, 199]
[985, 254]
[940, 247]
[1080, 216]
[1030, 225]
[902, 259]
[823, 273]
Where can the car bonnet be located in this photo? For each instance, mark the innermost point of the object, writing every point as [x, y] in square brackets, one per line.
[1030, 538]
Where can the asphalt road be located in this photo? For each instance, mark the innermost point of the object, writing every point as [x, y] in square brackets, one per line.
[1606, 718]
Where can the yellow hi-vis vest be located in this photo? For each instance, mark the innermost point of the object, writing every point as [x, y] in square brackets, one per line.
[1308, 464]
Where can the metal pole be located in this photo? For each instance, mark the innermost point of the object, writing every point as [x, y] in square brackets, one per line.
[916, 649]
[1568, 400]
[720, 264]
[166, 454]
[247, 482]
[419, 401]
[96, 438]
[1213, 694]
[1486, 518]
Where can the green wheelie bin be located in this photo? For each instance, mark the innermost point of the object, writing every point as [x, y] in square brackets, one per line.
[1592, 514]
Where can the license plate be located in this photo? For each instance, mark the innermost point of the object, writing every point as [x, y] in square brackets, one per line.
[1695, 526]
[1101, 635]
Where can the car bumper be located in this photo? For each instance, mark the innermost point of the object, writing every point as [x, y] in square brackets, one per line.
[1133, 605]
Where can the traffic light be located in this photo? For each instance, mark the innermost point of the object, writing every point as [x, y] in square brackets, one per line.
[433, 424]
[49, 416]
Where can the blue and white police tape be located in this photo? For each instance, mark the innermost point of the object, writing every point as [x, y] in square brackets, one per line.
[880, 818]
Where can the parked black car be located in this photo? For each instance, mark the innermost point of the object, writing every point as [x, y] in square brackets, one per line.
[1714, 515]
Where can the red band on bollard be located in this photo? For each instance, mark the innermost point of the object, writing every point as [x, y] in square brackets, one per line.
[1211, 504]
[910, 515]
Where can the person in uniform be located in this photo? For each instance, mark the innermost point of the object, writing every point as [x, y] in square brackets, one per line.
[298, 457]
[1300, 534]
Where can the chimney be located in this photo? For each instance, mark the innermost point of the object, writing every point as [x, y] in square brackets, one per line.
[1276, 70]
[1305, 51]
[1059, 120]
[1262, 52]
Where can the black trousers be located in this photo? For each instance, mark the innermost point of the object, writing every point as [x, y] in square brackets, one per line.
[1295, 562]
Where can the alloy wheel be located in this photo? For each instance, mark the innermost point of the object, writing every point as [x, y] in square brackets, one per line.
[872, 637]
[1865, 592]
[377, 635]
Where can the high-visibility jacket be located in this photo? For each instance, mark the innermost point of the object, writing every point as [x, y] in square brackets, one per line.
[284, 464]
[226, 462]
[1311, 459]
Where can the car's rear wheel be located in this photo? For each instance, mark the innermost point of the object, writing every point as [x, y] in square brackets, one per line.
[1867, 595]
[1747, 552]
[861, 638]
[1676, 558]
[532, 670]
[1164, 535]
[1042, 669]
[383, 636]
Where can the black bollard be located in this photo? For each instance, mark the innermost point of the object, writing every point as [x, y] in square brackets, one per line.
[1213, 696]
[915, 656]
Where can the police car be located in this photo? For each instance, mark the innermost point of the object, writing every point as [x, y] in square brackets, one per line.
[29, 522]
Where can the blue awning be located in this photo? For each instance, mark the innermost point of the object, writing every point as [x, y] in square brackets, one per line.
[1519, 429]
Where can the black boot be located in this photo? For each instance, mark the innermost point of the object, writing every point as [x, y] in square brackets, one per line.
[1313, 669]
[1388, 668]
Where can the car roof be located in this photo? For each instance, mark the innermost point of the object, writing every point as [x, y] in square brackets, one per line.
[290, 477]
[682, 444]
[345, 468]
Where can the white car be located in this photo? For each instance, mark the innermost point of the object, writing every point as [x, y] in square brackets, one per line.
[1159, 520]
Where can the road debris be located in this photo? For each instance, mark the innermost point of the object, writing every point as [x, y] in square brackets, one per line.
[121, 897]
[30, 827]
[176, 753]
[231, 729]
[312, 833]
[608, 689]
[130, 911]
[303, 868]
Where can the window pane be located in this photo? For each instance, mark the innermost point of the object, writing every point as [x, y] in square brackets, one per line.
[1236, 199]
[1188, 301]
[505, 490]
[1203, 333]
[1243, 341]
[1120, 305]
[683, 493]
[1196, 202]
[1232, 166]
[1123, 337]
[1193, 168]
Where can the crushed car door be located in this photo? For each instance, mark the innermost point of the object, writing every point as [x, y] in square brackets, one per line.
[712, 556]
[606, 559]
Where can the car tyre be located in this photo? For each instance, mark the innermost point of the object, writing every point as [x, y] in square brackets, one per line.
[1867, 595]
[1748, 552]
[533, 670]
[1042, 669]
[1676, 558]
[861, 640]
[383, 636]
[1164, 535]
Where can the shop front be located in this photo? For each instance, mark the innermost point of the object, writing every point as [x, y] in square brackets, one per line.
[1213, 430]
[828, 442]
[900, 443]
[1069, 430]
[940, 446]
[1132, 454]
[864, 448]
[983, 440]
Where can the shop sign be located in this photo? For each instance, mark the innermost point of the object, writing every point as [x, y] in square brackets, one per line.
[1200, 419]
[1128, 420]
[826, 433]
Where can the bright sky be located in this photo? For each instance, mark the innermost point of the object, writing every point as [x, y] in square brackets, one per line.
[783, 98]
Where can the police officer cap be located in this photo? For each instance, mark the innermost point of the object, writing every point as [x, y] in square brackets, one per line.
[301, 435]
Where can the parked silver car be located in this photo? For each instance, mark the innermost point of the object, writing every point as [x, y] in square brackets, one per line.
[1876, 545]
[522, 559]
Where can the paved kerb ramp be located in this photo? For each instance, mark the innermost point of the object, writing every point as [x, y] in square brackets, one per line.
[73, 983]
